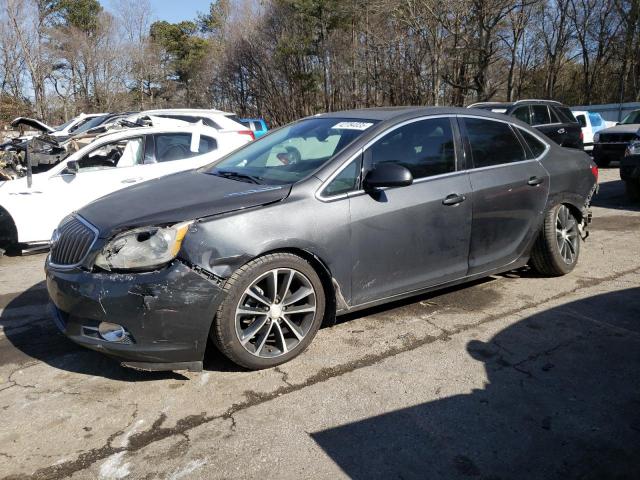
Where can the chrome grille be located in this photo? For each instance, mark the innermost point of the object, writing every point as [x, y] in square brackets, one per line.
[74, 239]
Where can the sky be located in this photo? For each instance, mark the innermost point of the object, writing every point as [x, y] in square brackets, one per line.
[173, 10]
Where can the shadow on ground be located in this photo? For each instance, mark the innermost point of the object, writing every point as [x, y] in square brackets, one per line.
[612, 195]
[562, 401]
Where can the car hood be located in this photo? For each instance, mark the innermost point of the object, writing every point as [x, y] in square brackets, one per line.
[631, 128]
[175, 198]
[33, 123]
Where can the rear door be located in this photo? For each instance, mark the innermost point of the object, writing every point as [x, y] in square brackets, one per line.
[411, 237]
[510, 189]
[541, 119]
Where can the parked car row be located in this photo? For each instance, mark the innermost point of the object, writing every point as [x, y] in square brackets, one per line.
[127, 149]
[325, 216]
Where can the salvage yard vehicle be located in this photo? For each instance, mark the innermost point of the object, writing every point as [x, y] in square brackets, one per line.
[325, 216]
[552, 118]
[29, 215]
[611, 143]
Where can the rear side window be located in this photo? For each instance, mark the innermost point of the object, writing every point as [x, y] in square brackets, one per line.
[540, 115]
[535, 145]
[425, 147]
[492, 143]
[522, 113]
[177, 146]
[566, 114]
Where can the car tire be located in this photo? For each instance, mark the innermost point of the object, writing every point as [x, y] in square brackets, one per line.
[252, 327]
[556, 253]
[632, 189]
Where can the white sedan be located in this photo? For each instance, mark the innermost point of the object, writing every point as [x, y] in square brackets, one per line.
[29, 214]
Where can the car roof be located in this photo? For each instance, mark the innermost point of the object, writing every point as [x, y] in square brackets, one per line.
[384, 114]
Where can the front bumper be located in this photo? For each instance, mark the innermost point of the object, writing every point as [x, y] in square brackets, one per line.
[630, 168]
[609, 151]
[167, 314]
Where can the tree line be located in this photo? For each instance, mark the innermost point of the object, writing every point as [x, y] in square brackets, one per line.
[284, 59]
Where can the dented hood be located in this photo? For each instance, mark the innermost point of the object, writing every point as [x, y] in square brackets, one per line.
[32, 123]
[175, 198]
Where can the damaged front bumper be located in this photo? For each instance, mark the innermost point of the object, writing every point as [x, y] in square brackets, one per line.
[166, 315]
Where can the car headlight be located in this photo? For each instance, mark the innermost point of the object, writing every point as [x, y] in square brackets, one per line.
[633, 148]
[596, 137]
[143, 248]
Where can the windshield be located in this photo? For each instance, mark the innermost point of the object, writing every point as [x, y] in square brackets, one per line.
[290, 153]
[633, 117]
[59, 128]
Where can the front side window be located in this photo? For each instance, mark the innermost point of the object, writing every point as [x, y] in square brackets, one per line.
[492, 143]
[522, 113]
[290, 153]
[425, 147]
[123, 153]
[632, 118]
[540, 115]
[177, 146]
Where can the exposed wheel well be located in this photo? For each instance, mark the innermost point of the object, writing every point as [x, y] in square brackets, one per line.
[325, 277]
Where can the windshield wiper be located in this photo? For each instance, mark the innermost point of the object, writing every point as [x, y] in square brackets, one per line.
[242, 177]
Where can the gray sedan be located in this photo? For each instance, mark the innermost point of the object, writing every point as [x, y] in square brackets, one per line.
[328, 215]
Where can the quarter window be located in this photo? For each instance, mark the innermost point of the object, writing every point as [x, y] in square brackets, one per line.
[535, 145]
[425, 147]
[492, 143]
[345, 181]
[522, 113]
[540, 114]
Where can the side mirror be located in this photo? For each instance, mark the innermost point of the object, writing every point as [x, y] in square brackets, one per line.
[388, 175]
[71, 168]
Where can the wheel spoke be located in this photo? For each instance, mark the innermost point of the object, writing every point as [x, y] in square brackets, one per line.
[257, 296]
[280, 335]
[293, 328]
[287, 283]
[251, 331]
[302, 292]
[272, 280]
[244, 310]
[300, 309]
[263, 339]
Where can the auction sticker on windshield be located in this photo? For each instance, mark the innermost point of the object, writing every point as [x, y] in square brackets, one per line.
[353, 125]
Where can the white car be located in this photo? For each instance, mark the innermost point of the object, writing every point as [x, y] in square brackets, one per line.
[217, 119]
[591, 122]
[28, 215]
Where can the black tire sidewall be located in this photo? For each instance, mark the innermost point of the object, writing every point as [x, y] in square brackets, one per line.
[226, 337]
[552, 242]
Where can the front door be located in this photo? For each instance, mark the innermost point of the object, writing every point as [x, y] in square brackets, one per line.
[510, 192]
[411, 237]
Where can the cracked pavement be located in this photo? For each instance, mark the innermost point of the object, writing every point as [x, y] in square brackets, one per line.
[513, 376]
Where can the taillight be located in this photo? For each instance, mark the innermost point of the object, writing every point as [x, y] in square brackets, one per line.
[594, 172]
[581, 135]
[247, 132]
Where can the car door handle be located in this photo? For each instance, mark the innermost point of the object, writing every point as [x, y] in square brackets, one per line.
[535, 181]
[131, 180]
[453, 199]
[562, 130]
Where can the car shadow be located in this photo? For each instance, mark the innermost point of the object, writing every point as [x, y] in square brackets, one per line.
[32, 335]
[561, 400]
[612, 195]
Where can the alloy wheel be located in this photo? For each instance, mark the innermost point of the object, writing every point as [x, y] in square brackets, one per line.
[275, 312]
[567, 234]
